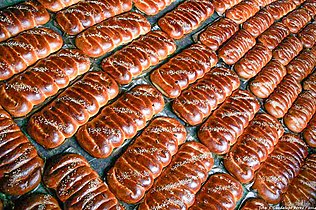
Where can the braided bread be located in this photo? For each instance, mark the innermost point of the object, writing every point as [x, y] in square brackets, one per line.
[228, 122]
[222, 5]
[56, 5]
[296, 20]
[310, 6]
[152, 7]
[21, 167]
[298, 2]
[257, 24]
[274, 35]
[106, 36]
[198, 101]
[310, 82]
[178, 184]
[309, 133]
[288, 49]
[308, 35]
[255, 203]
[280, 8]
[37, 201]
[45, 79]
[243, 11]
[138, 56]
[183, 70]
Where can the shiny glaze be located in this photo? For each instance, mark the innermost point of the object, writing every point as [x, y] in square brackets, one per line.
[308, 35]
[280, 8]
[260, 22]
[37, 201]
[255, 203]
[243, 11]
[222, 5]
[310, 6]
[310, 82]
[296, 20]
[56, 5]
[152, 7]
[274, 35]
[309, 133]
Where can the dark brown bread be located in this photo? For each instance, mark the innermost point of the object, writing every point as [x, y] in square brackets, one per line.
[310, 6]
[308, 35]
[228, 122]
[187, 17]
[21, 17]
[309, 133]
[253, 147]
[152, 7]
[274, 35]
[21, 167]
[282, 166]
[37, 202]
[32, 87]
[138, 56]
[221, 191]
[296, 20]
[280, 8]
[77, 185]
[260, 22]
[283, 97]
[198, 101]
[310, 82]
[178, 184]
[222, 5]
[267, 79]
[87, 13]
[183, 69]
[71, 109]
[119, 121]
[111, 33]
[22, 51]
[302, 191]
[135, 171]
[56, 5]
[255, 203]
[243, 11]
[218, 33]
[236, 47]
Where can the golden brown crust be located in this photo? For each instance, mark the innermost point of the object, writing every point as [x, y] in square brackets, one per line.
[222, 5]
[111, 33]
[152, 7]
[22, 51]
[282, 166]
[274, 35]
[135, 171]
[183, 69]
[255, 203]
[228, 122]
[296, 20]
[87, 13]
[138, 56]
[253, 147]
[280, 8]
[178, 184]
[20, 165]
[260, 22]
[243, 11]
[308, 35]
[56, 5]
[198, 101]
[41, 81]
[37, 201]
[187, 17]
[310, 6]
[119, 121]
[309, 133]
[221, 191]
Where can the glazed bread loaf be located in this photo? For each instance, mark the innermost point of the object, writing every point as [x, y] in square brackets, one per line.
[236, 47]
[152, 7]
[221, 191]
[198, 101]
[22, 51]
[260, 22]
[178, 184]
[32, 87]
[111, 33]
[71, 109]
[218, 33]
[310, 82]
[222, 5]
[282, 166]
[87, 13]
[255, 203]
[77, 185]
[183, 69]
[309, 133]
[243, 11]
[296, 20]
[56, 5]
[138, 56]
[302, 191]
[187, 17]
[135, 171]
[280, 8]
[310, 6]
[228, 122]
[288, 49]
[119, 121]
[37, 201]
[21, 167]
[308, 35]
[21, 17]
[283, 97]
[253, 147]
[267, 79]
[253, 61]
[274, 35]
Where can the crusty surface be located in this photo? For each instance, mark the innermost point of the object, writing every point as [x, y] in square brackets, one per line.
[37, 202]
[308, 35]
[243, 11]
[222, 5]
[56, 5]
[278, 9]
[309, 133]
[255, 203]
[296, 20]
[152, 7]
[310, 82]
[310, 6]
[260, 22]
[274, 35]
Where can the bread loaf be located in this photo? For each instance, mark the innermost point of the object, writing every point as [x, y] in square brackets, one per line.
[267, 79]
[274, 35]
[243, 11]
[228, 122]
[310, 6]
[152, 7]
[138, 56]
[310, 82]
[221, 191]
[288, 49]
[183, 69]
[260, 22]
[253, 147]
[77, 185]
[308, 35]
[22, 51]
[119, 121]
[309, 133]
[236, 47]
[87, 13]
[255, 203]
[299, 2]
[222, 5]
[21, 167]
[280, 8]
[218, 33]
[56, 5]
[178, 184]
[198, 101]
[21, 17]
[135, 171]
[282, 166]
[111, 33]
[37, 201]
[39, 82]
[296, 20]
